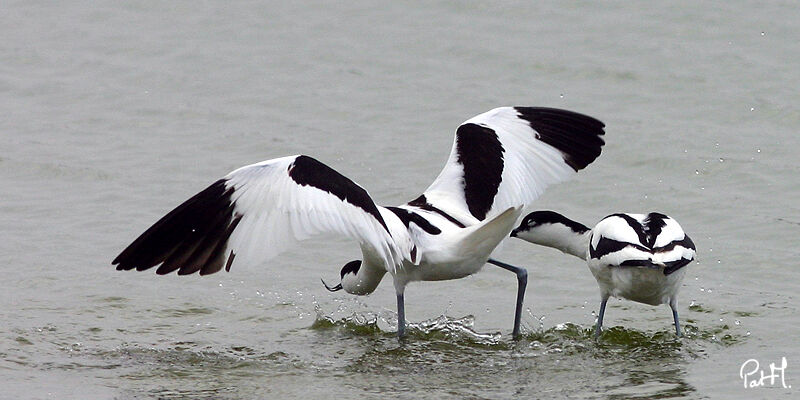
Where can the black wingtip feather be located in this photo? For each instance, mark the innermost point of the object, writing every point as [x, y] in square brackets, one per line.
[182, 238]
[576, 135]
[217, 257]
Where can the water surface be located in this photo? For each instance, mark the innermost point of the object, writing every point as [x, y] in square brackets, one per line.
[114, 113]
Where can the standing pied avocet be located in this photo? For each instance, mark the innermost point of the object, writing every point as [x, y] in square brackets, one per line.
[635, 256]
[500, 162]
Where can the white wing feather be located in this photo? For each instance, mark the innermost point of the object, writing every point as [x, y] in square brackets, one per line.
[276, 213]
[530, 166]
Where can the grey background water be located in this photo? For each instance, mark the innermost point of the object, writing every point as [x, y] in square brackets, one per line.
[114, 112]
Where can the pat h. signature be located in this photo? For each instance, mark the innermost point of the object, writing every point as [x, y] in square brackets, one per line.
[753, 376]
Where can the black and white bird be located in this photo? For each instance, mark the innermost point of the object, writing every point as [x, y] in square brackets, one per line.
[500, 162]
[634, 256]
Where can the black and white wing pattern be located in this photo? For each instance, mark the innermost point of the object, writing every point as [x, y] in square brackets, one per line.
[256, 212]
[653, 240]
[506, 157]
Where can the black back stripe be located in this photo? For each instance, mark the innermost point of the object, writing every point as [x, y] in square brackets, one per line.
[408, 217]
[577, 136]
[180, 240]
[307, 171]
[607, 246]
[639, 263]
[422, 203]
[676, 265]
[650, 229]
[648, 233]
[481, 154]
[636, 226]
[653, 224]
[686, 242]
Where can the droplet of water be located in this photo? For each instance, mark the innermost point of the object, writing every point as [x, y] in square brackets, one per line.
[747, 334]
[763, 33]
[697, 172]
[721, 159]
[737, 322]
[752, 108]
[702, 289]
[561, 95]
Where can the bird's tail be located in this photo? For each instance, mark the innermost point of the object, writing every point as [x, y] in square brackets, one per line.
[481, 239]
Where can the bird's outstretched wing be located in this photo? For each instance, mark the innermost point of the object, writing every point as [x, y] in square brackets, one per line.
[254, 213]
[506, 157]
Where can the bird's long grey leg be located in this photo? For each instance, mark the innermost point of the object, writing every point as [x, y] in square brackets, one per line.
[522, 283]
[600, 315]
[401, 315]
[674, 306]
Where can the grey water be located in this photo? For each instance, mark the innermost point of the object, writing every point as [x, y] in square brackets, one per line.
[112, 113]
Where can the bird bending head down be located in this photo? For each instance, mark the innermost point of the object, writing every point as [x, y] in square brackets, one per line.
[354, 283]
[349, 268]
[634, 256]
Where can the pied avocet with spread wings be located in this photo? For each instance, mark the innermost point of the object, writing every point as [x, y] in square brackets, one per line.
[500, 162]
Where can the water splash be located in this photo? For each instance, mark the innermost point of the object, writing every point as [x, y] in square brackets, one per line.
[363, 324]
[459, 329]
[442, 327]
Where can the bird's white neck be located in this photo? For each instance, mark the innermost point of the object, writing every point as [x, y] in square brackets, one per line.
[561, 237]
[364, 281]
